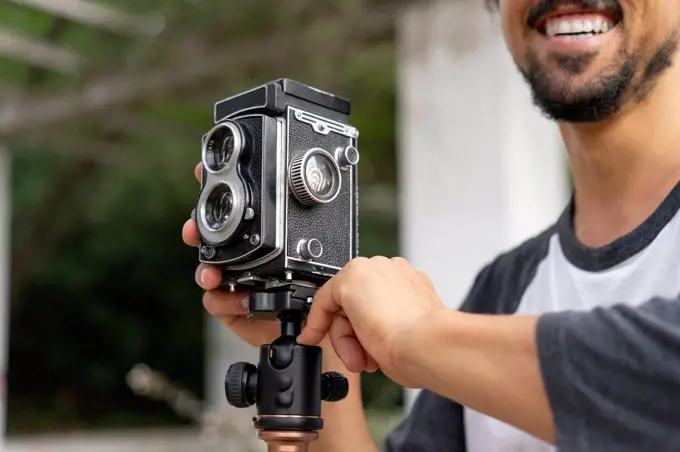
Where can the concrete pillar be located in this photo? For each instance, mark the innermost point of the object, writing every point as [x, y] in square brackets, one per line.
[223, 349]
[480, 169]
[5, 247]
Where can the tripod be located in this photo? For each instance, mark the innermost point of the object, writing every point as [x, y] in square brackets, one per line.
[288, 385]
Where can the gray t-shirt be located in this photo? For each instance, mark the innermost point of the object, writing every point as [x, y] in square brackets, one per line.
[608, 340]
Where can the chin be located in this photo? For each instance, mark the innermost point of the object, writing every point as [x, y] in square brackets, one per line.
[577, 99]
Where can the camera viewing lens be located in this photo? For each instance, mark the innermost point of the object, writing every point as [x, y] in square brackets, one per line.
[218, 207]
[221, 143]
[320, 175]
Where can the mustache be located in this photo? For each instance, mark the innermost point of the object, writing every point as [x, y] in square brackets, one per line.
[609, 7]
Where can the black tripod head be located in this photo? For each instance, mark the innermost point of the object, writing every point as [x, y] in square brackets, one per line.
[287, 385]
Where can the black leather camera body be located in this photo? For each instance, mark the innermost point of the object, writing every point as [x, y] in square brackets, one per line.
[278, 203]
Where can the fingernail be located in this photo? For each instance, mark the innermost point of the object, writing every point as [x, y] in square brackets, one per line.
[245, 302]
[201, 278]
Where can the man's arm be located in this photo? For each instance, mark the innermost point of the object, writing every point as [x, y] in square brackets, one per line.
[344, 423]
[486, 362]
[607, 379]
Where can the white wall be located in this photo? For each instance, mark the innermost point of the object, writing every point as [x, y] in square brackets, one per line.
[224, 348]
[480, 169]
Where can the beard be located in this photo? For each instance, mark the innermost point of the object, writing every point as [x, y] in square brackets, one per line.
[594, 101]
[630, 76]
[603, 96]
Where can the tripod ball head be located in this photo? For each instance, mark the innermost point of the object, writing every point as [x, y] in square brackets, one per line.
[241, 385]
[287, 385]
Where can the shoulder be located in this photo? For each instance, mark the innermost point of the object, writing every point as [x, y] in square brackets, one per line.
[499, 285]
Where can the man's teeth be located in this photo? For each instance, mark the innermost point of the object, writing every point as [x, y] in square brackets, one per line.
[578, 28]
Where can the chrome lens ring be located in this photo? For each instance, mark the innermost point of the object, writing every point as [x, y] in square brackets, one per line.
[214, 224]
[222, 147]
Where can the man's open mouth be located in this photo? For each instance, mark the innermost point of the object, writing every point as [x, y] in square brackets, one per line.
[577, 26]
[576, 23]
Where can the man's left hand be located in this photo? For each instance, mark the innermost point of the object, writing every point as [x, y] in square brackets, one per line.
[371, 309]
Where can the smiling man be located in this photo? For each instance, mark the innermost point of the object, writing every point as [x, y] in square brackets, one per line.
[590, 358]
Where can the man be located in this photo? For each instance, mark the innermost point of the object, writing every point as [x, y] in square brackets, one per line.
[591, 359]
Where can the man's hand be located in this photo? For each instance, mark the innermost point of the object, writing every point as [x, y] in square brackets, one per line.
[230, 308]
[382, 312]
[370, 309]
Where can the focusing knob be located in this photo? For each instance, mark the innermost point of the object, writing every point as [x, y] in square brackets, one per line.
[241, 385]
[334, 387]
[315, 177]
[347, 156]
[310, 249]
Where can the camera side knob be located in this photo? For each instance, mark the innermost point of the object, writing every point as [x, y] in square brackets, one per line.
[347, 156]
[241, 385]
[314, 177]
[310, 249]
[334, 387]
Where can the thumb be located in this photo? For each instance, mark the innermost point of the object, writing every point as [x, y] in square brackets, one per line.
[320, 318]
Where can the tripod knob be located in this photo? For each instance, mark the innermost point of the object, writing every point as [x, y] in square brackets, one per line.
[240, 385]
[334, 387]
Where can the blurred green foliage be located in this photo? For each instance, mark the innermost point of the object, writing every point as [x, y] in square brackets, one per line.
[101, 279]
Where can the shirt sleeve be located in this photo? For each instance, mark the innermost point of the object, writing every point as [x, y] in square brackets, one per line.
[612, 376]
[435, 424]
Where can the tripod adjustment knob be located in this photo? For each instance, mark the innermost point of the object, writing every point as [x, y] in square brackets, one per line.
[240, 385]
[334, 387]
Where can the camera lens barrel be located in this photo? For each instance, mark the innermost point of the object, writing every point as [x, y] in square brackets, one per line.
[222, 146]
[218, 207]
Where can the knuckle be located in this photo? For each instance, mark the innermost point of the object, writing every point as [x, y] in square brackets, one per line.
[400, 261]
[354, 264]
[341, 291]
[359, 261]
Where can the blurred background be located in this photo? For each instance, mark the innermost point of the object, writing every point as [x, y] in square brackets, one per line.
[105, 343]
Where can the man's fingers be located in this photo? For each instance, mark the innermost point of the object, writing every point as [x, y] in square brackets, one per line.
[225, 304]
[198, 172]
[208, 277]
[371, 365]
[190, 233]
[320, 318]
[347, 346]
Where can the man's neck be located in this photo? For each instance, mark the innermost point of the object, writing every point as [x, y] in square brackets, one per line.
[624, 168]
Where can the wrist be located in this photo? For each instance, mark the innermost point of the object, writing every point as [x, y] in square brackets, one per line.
[420, 355]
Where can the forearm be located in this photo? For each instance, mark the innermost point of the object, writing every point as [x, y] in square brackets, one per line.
[487, 363]
[345, 427]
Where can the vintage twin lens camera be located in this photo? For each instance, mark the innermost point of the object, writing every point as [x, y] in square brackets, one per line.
[278, 204]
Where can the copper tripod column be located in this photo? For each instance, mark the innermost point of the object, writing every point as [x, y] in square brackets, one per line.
[287, 441]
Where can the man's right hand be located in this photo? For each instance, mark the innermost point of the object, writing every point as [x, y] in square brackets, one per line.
[230, 307]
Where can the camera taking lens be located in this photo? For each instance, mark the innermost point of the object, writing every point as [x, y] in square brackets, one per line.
[218, 207]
